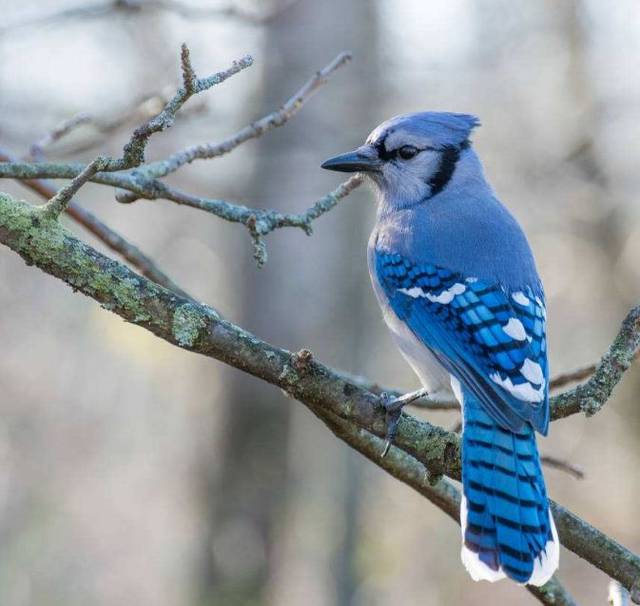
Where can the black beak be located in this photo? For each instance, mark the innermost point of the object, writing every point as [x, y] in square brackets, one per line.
[355, 161]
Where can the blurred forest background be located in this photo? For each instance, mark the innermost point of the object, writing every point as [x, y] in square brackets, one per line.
[134, 473]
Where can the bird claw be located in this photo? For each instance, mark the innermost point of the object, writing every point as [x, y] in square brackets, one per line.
[392, 419]
[393, 411]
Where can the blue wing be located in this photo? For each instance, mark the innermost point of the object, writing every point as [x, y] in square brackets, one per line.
[492, 340]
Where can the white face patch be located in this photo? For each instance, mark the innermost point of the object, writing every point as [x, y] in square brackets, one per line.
[407, 181]
[445, 297]
[515, 329]
[520, 298]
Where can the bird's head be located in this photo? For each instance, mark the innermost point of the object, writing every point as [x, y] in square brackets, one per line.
[412, 157]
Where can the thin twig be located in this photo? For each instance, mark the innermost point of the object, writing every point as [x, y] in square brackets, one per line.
[133, 152]
[561, 405]
[579, 374]
[145, 107]
[60, 201]
[258, 222]
[575, 470]
[64, 128]
[188, 75]
[144, 182]
[254, 130]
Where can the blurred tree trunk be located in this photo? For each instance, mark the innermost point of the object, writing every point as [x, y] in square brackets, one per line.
[283, 518]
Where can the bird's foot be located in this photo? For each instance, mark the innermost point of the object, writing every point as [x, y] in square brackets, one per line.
[393, 410]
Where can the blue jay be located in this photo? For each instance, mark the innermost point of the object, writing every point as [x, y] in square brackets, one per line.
[458, 287]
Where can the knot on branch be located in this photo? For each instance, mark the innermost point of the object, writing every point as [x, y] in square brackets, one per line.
[591, 406]
[301, 360]
[441, 455]
[299, 364]
[257, 226]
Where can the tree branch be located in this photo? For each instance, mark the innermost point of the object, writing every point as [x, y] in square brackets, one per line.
[131, 253]
[195, 327]
[143, 182]
[591, 396]
[37, 149]
[133, 152]
[259, 222]
[441, 493]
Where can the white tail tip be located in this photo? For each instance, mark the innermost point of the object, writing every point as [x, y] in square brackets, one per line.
[543, 568]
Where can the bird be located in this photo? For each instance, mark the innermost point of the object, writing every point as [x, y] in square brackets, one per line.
[458, 287]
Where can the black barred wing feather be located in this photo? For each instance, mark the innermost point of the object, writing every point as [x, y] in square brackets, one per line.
[489, 338]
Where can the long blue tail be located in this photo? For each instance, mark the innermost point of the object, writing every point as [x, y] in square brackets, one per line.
[506, 525]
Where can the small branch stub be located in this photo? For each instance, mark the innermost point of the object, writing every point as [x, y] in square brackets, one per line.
[188, 74]
[144, 181]
[59, 203]
[301, 360]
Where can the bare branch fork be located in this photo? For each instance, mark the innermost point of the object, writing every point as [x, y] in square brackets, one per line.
[133, 153]
[60, 201]
[422, 453]
[128, 251]
[289, 109]
[136, 180]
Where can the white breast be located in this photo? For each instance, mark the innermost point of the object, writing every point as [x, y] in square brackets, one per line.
[432, 375]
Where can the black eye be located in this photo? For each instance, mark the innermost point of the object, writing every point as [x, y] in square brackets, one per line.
[406, 152]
